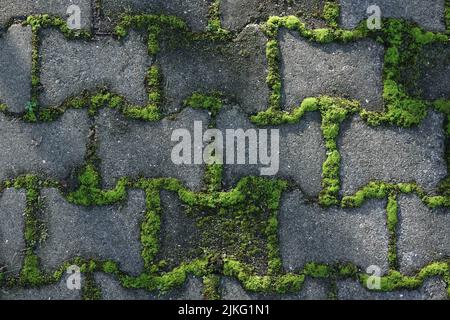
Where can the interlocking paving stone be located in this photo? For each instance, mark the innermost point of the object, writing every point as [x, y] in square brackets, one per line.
[352, 70]
[432, 289]
[52, 150]
[135, 148]
[12, 243]
[423, 234]
[179, 235]
[427, 13]
[392, 154]
[309, 233]
[237, 69]
[194, 12]
[69, 67]
[104, 233]
[312, 289]
[236, 14]
[434, 72]
[10, 9]
[15, 67]
[57, 291]
[112, 290]
[302, 150]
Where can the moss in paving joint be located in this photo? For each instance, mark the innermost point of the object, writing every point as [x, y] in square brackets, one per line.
[89, 192]
[211, 285]
[331, 12]
[392, 220]
[394, 280]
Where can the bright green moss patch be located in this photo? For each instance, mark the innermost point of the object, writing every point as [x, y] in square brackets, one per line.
[212, 103]
[331, 13]
[30, 273]
[394, 280]
[89, 192]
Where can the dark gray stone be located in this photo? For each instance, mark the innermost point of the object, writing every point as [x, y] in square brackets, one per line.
[179, 235]
[12, 243]
[58, 291]
[238, 69]
[309, 233]
[135, 148]
[236, 14]
[302, 150]
[104, 233]
[194, 12]
[51, 150]
[15, 67]
[69, 67]
[423, 234]
[434, 72]
[10, 9]
[427, 13]
[392, 154]
[433, 289]
[312, 289]
[351, 70]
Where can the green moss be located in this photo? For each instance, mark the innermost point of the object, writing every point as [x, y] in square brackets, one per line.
[89, 192]
[317, 270]
[331, 11]
[213, 102]
[394, 280]
[90, 291]
[110, 267]
[211, 285]
[30, 273]
[214, 22]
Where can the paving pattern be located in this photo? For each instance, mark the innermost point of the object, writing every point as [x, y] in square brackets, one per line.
[90, 119]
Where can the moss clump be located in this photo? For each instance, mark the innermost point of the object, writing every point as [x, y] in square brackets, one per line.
[90, 291]
[211, 285]
[331, 11]
[89, 192]
[30, 273]
[317, 270]
[213, 103]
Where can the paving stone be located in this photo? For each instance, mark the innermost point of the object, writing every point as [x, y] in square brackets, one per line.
[179, 235]
[194, 12]
[238, 69]
[104, 233]
[51, 150]
[434, 72]
[236, 14]
[433, 289]
[351, 70]
[427, 13]
[15, 67]
[12, 243]
[313, 289]
[10, 9]
[69, 67]
[309, 233]
[302, 150]
[57, 291]
[423, 234]
[392, 154]
[135, 148]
